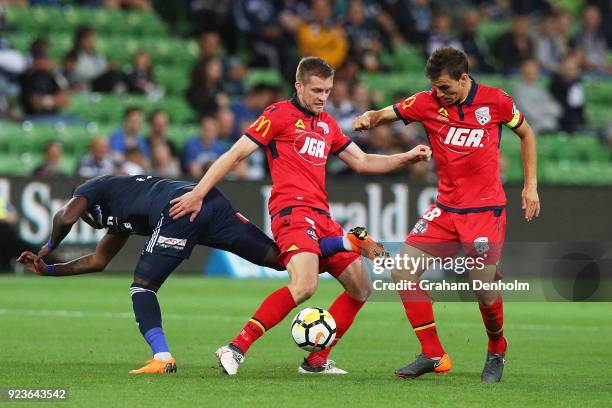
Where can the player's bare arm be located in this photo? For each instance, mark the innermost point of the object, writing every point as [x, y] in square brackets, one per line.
[364, 163]
[191, 202]
[63, 221]
[530, 202]
[372, 119]
[97, 261]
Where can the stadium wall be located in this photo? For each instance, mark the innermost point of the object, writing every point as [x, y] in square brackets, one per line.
[387, 208]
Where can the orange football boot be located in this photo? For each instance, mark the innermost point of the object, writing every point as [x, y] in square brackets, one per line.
[157, 367]
[363, 244]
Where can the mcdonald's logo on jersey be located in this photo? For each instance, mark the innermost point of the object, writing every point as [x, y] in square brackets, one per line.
[408, 102]
[261, 123]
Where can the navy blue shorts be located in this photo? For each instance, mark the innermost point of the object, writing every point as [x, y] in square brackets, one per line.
[217, 225]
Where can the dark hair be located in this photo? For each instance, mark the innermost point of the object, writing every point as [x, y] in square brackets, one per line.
[39, 47]
[156, 112]
[131, 109]
[80, 33]
[447, 60]
[313, 66]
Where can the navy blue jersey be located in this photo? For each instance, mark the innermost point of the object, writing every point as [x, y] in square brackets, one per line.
[130, 204]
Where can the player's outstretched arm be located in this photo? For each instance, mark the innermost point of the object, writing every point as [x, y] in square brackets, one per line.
[364, 163]
[530, 201]
[105, 251]
[191, 202]
[372, 119]
[63, 221]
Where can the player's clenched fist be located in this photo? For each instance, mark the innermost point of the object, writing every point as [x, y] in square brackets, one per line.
[361, 123]
[419, 153]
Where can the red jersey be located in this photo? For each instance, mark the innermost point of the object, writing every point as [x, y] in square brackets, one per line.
[297, 144]
[465, 139]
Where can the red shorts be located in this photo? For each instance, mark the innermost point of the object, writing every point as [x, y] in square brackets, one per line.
[442, 233]
[299, 229]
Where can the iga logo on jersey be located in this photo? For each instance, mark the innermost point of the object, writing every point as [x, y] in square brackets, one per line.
[464, 137]
[483, 116]
[311, 147]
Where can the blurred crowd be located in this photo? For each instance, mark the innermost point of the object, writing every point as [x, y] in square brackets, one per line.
[543, 41]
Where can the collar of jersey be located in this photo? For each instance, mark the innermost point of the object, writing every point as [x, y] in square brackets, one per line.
[469, 100]
[296, 102]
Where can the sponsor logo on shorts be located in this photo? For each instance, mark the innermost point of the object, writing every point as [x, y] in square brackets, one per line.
[481, 244]
[172, 243]
[312, 234]
[420, 227]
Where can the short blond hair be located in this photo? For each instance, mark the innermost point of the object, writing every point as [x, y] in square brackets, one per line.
[313, 66]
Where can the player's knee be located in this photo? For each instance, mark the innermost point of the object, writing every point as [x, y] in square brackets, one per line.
[486, 297]
[145, 284]
[362, 292]
[303, 290]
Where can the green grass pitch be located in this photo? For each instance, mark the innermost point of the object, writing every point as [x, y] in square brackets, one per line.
[79, 332]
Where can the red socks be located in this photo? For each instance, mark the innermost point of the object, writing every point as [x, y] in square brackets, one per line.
[493, 318]
[271, 312]
[419, 311]
[344, 309]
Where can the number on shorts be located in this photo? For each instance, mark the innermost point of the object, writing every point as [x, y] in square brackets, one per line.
[433, 213]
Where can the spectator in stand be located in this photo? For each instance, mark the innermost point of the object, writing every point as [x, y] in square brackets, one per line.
[98, 162]
[551, 46]
[89, 63]
[52, 158]
[364, 36]
[205, 94]
[209, 45]
[539, 7]
[514, 46]
[541, 110]
[201, 151]
[567, 89]
[68, 71]
[254, 167]
[413, 18]
[257, 98]
[360, 96]
[234, 69]
[130, 134]
[140, 5]
[134, 162]
[141, 79]
[226, 121]
[159, 123]
[341, 107]
[591, 43]
[265, 29]
[321, 36]
[42, 91]
[474, 46]
[441, 35]
[163, 164]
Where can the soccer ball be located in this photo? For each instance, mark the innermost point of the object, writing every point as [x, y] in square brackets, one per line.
[313, 329]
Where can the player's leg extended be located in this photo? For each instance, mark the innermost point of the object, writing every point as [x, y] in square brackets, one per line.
[491, 308]
[303, 270]
[357, 288]
[150, 273]
[419, 310]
